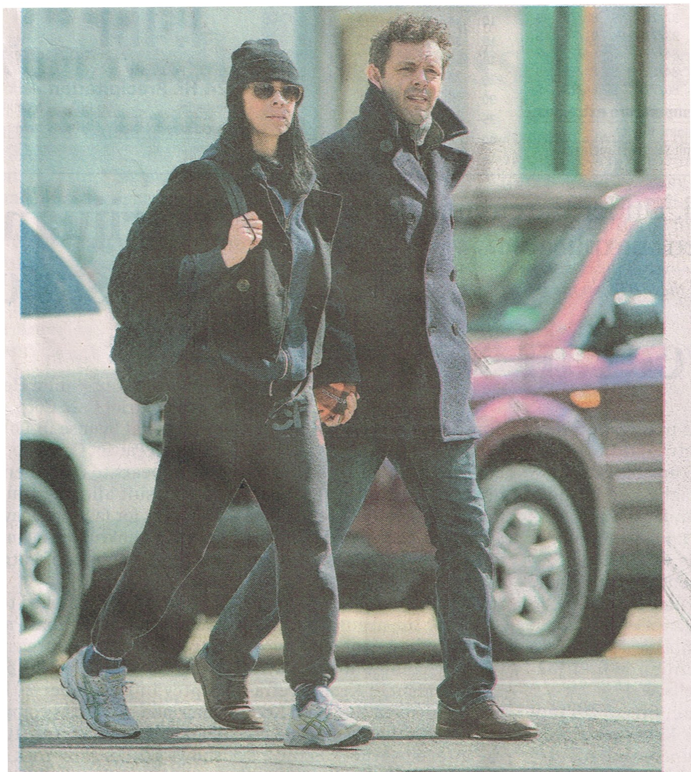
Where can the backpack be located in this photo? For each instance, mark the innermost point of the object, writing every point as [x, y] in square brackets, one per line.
[144, 378]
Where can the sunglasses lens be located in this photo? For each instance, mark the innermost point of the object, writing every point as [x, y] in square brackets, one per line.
[263, 90]
[289, 92]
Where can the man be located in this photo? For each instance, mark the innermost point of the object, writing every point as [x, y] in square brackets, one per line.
[394, 272]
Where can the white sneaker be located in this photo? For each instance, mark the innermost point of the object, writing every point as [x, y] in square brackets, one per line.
[326, 723]
[101, 698]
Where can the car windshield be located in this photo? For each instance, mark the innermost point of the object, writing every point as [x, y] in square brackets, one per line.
[514, 277]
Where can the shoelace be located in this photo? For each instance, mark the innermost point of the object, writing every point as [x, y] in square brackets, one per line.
[333, 706]
[492, 702]
[115, 704]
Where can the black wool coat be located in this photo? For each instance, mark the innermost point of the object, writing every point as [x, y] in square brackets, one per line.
[192, 216]
[396, 222]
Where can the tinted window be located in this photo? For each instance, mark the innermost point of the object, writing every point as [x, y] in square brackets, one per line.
[639, 266]
[514, 280]
[47, 284]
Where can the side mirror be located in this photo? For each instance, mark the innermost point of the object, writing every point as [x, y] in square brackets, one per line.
[636, 316]
[633, 316]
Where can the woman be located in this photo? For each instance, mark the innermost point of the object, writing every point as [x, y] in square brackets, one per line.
[240, 399]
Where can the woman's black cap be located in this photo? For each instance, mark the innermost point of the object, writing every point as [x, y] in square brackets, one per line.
[259, 60]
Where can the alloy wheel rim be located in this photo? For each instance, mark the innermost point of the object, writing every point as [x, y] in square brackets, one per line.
[531, 570]
[40, 578]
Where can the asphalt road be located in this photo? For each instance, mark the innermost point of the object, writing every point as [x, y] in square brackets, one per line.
[594, 714]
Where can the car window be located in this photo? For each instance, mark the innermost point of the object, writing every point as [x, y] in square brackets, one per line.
[637, 269]
[48, 286]
[514, 280]
[639, 265]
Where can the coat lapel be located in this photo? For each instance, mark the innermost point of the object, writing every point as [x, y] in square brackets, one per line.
[409, 168]
[448, 166]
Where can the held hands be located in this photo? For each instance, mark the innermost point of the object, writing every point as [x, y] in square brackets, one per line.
[336, 403]
[244, 234]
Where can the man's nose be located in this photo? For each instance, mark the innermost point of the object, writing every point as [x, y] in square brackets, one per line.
[278, 98]
[419, 76]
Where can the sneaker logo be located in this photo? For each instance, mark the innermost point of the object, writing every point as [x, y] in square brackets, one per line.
[320, 725]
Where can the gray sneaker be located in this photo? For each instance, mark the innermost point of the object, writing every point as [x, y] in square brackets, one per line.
[101, 698]
[326, 723]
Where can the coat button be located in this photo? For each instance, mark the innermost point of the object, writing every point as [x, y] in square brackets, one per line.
[454, 329]
[386, 145]
[410, 217]
[429, 268]
[452, 275]
[243, 285]
[432, 328]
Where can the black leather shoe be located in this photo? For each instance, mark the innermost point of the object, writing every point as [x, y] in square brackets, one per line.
[225, 696]
[483, 721]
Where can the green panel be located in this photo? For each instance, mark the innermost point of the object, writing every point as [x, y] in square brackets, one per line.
[552, 90]
[538, 91]
[574, 92]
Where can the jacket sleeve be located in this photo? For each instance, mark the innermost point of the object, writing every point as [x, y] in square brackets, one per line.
[184, 223]
[339, 359]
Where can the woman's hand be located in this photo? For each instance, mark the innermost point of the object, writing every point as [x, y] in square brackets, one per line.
[244, 234]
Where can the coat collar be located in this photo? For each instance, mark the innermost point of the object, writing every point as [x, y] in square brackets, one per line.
[385, 130]
[378, 116]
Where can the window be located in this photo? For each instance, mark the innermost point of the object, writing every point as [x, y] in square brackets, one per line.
[514, 275]
[47, 284]
[639, 267]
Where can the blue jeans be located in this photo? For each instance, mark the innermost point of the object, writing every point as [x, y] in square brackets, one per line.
[441, 478]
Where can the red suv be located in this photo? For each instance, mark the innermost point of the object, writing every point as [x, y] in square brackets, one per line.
[568, 399]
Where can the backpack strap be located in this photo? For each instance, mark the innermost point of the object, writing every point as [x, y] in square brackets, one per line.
[236, 198]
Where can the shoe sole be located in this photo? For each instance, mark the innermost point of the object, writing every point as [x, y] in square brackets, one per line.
[463, 734]
[75, 695]
[228, 724]
[361, 737]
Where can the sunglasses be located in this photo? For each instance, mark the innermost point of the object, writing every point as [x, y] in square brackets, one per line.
[290, 92]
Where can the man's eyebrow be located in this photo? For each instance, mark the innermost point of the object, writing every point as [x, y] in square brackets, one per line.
[414, 62]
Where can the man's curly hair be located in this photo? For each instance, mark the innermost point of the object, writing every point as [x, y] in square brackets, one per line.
[409, 29]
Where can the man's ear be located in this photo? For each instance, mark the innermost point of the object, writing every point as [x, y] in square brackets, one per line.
[374, 76]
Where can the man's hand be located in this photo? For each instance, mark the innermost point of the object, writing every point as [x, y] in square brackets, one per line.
[244, 234]
[336, 403]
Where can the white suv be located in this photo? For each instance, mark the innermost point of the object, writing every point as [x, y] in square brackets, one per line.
[86, 475]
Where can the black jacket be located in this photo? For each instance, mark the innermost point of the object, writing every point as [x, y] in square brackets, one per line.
[191, 216]
[393, 262]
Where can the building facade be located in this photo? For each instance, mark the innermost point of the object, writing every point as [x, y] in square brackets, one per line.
[114, 98]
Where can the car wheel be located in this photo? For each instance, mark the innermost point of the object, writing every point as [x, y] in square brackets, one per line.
[605, 621]
[541, 567]
[50, 576]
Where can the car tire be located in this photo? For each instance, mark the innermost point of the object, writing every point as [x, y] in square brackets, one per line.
[605, 621]
[50, 576]
[540, 585]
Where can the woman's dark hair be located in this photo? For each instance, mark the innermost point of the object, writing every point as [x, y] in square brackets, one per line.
[293, 151]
